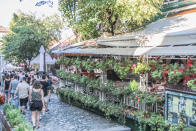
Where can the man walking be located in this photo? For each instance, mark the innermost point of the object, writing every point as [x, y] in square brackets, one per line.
[23, 91]
[13, 84]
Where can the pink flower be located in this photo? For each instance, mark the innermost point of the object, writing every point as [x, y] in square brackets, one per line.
[133, 66]
[138, 101]
[189, 65]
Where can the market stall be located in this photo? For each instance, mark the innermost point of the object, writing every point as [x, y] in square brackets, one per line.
[49, 61]
[151, 70]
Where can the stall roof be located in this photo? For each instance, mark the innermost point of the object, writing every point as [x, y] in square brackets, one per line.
[141, 51]
[174, 36]
[157, 33]
[172, 51]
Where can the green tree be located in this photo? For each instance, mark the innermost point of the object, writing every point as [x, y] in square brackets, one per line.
[91, 18]
[27, 35]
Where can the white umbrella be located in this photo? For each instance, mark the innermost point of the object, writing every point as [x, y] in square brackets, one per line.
[42, 51]
[48, 60]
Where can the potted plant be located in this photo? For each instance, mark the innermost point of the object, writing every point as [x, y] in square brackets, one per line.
[133, 85]
[174, 77]
[175, 74]
[192, 84]
[157, 75]
[141, 68]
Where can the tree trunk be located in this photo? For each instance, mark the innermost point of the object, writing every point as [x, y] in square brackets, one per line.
[112, 23]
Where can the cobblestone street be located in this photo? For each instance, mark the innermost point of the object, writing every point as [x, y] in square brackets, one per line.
[64, 117]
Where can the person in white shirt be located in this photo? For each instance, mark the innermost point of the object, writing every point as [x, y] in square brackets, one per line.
[23, 92]
[21, 76]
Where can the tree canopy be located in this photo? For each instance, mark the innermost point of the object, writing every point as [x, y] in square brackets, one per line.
[27, 35]
[90, 18]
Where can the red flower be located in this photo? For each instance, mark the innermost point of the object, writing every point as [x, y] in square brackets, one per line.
[190, 61]
[180, 69]
[195, 82]
[187, 77]
[189, 65]
[165, 72]
[194, 75]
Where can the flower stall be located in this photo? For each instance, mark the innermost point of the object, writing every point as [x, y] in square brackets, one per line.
[145, 78]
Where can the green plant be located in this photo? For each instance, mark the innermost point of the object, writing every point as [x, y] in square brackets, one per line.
[91, 101]
[83, 80]
[15, 118]
[24, 127]
[101, 65]
[7, 108]
[148, 98]
[133, 85]
[141, 68]
[175, 74]
[189, 129]
[76, 78]
[192, 84]
[155, 121]
[157, 75]
[121, 67]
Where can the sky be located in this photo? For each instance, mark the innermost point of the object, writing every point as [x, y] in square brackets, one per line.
[8, 7]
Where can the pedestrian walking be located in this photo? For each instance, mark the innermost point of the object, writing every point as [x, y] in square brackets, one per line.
[23, 90]
[32, 79]
[13, 84]
[37, 77]
[50, 88]
[36, 98]
[6, 88]
[21, 75]
[46, 91]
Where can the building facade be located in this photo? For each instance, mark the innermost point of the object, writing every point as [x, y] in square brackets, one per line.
[3, 31]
